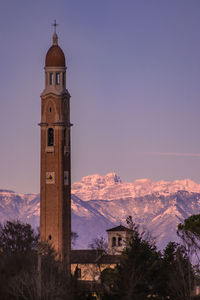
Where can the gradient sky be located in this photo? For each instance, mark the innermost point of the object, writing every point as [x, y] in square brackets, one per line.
[134, 76]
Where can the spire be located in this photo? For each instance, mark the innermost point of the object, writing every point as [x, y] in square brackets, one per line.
[55, 56]
[55, 37]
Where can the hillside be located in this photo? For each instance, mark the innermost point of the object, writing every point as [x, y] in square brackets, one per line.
[100, 202]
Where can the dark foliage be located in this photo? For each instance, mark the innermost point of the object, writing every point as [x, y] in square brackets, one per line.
[99, 244]
[145, 273]
[16, 237]
[29, 270]
[191, 225]
[177, 272]
[74, 237]
[18, 244]
[139, 269]
[55, 281]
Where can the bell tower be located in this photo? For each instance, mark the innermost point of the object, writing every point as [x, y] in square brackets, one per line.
[55, 180]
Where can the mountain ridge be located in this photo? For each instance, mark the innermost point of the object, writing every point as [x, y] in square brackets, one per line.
[102, 202]
[111, 186]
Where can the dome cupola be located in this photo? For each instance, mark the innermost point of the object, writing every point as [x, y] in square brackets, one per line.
[55, 56]
[55, 68]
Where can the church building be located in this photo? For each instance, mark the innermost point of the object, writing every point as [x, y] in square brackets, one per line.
[55, 180]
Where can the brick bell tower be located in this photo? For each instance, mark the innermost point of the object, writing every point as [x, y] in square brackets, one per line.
[55, 181]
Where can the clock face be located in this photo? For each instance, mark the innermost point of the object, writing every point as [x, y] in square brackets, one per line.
[50, 177]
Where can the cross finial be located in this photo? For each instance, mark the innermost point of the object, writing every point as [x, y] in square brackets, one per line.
[55, 24]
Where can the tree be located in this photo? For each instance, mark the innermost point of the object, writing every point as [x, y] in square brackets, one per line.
[55, 282]
[177, 272]
[99, 244]
[18, 244]
[20, 277]
[17, 237]
[138, 269]
[146, 273]
[74, 237]
[109, 280]
[137, 275]
[189, 232]
[191, 226]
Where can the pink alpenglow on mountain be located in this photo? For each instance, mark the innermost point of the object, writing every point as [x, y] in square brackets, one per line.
[102, 202]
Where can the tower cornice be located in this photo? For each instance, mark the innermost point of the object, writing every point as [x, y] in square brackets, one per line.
[43, 124]
[55, 94]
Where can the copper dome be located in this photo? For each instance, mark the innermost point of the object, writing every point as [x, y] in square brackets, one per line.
[55, 57]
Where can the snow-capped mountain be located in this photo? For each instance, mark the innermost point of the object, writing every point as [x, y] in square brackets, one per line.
[25, 207]
[110, 187]
[100, 202]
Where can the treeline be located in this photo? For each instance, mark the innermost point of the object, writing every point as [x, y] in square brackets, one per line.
[146, 273]
[143, 273]
[25, 277]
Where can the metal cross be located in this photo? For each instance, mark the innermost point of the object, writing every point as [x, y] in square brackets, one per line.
[55, 24]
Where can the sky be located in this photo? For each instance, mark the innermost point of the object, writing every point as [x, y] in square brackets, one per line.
[133, 71]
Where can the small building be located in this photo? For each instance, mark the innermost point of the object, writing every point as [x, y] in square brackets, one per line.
[118, 239]
[88, 264]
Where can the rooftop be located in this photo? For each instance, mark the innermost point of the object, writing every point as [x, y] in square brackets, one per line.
[93, 256]
[119, 228]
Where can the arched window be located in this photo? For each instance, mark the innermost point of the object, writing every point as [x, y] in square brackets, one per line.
[50, 137]
[51, 78]
[57, 78]
[119, 241]
[114, 241]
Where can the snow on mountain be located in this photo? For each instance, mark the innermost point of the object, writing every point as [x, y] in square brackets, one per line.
[100, 202]
[110, 187]
[25, 207]
[88, 222]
